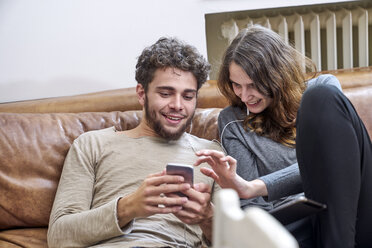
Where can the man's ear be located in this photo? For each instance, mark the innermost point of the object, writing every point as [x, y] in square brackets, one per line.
[140, 94]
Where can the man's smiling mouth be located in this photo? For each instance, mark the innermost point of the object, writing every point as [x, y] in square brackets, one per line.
[174, 118]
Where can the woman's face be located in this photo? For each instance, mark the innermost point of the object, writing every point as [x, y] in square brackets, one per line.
[245, 89]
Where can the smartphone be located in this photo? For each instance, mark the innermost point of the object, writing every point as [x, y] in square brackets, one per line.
[296, 209]
[185, 170]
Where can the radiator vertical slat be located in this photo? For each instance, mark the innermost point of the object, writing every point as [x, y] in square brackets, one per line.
[249, 23]
[347, 38]
[315, 41]
[363, 37]
[283, 29]
[331, 41]
[229, 30]
[267, 23]
[299, 34]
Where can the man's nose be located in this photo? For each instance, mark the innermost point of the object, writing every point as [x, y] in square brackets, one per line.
[176, 103]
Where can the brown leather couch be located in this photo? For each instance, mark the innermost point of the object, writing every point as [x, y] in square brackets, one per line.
[36, 135]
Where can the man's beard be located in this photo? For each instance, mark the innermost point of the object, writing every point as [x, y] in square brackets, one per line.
[158, 127]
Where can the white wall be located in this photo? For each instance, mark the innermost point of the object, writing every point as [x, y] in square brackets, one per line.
[64, 47]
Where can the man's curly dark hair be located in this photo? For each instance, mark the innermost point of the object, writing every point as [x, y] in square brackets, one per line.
[171, 52]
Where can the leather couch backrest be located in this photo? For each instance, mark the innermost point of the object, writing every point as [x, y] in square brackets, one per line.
[361, 98]
[126, 99]
[32, 152]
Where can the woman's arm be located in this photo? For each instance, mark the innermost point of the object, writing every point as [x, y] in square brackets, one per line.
[283, 182]
[223, 171]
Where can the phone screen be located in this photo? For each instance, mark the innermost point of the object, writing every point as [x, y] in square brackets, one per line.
[187, 171]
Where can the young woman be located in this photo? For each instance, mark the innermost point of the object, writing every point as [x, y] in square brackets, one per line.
[285, 134]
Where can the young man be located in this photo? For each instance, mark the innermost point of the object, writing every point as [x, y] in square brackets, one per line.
[113, 190]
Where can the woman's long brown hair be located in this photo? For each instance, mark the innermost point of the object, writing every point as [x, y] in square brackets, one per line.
[278, 71]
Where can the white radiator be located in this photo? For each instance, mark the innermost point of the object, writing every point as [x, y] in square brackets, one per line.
[323, 34]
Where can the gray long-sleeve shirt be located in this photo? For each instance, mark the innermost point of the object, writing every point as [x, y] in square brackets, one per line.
[261, 157]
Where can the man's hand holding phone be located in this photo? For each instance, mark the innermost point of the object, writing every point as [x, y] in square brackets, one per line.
[150, 195]
[198, 209]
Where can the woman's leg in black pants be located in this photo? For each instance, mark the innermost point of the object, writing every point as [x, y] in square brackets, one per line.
[334, 154]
